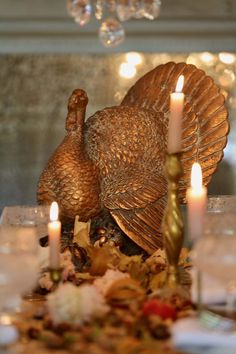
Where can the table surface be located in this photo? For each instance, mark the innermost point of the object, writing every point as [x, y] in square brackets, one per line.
[24, 320]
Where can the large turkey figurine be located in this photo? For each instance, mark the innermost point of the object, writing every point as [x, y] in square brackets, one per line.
[115, 160]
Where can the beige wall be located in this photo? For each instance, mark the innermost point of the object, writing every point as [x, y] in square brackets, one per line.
[33, 98]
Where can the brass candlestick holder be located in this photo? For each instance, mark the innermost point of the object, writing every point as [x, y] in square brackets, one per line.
[172, 225]
[55, 276]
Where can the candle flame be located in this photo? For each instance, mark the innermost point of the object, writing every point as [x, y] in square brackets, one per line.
[196, 176]
[54, 210]
[180, 84]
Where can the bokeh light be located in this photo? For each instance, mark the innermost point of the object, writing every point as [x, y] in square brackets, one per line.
[127, 70]
[134, 58]
[227, 58]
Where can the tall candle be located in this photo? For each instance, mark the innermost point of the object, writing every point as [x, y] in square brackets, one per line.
[175, 120]
[196, 200]
[54, 233]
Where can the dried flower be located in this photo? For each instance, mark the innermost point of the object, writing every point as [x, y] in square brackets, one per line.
[157, 261]
[45, 281]
[124, 292]
[105, 282]
[67, 272]
[67, 265]
[76, 305]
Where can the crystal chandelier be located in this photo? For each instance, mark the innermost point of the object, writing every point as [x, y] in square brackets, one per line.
[112, 13]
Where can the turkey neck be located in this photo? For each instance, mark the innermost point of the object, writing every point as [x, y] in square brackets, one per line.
[75, 126]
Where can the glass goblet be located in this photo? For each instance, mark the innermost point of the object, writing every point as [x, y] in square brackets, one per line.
[30, 218]
[222, 203]
[36, 216]
[19, 267]
[215, 252]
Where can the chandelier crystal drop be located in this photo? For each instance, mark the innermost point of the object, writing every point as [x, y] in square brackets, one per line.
[80, 10]
[112, 13]
[111, 32]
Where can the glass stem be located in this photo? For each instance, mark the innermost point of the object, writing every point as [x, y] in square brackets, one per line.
[230, 298]
[199, 291]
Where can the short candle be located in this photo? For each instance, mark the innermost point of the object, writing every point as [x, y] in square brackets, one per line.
[54, 233]
[196, 200]
[175, 119]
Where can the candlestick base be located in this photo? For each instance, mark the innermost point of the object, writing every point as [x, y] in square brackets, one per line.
[172, 225]
[55, 275]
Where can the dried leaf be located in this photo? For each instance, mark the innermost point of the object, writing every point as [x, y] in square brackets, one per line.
[81, 233]
[100, 259]
[157, 261]
[124, 291]
[158, 281]
[135, 266]
[126, 262]
[84, 276]
[128, 345]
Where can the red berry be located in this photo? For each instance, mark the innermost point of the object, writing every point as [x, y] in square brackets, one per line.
[159, 308]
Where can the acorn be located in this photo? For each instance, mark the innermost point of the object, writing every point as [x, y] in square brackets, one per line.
[33, 333]
[101, 231]
[102, 240]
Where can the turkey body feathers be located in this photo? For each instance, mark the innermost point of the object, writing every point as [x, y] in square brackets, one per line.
[75, 186]
[130, 154]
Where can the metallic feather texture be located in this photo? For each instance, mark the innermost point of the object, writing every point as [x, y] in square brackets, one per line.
[115, 160]
[205, 121]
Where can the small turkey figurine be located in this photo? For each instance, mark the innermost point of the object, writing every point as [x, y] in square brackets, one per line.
[115, 160]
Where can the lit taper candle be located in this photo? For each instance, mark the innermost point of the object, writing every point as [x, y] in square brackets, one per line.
[196, 200]
[54, 233]
[175, 119]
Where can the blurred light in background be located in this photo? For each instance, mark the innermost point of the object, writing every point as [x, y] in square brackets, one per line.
[227, 58]
[134, 58]
[207, 58]
[127, 70]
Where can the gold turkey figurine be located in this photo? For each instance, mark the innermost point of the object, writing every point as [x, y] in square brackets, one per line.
[114, 161]
[109, 163]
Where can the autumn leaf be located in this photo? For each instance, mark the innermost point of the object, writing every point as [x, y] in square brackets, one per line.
[158, 281]
[124, 291]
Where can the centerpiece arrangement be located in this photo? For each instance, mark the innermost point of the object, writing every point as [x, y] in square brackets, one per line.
[110, 169]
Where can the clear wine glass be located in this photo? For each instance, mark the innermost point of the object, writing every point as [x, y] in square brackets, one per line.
[215, 252]
[36, 216]
[31, 219]
[19, 267]
[222, 203]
